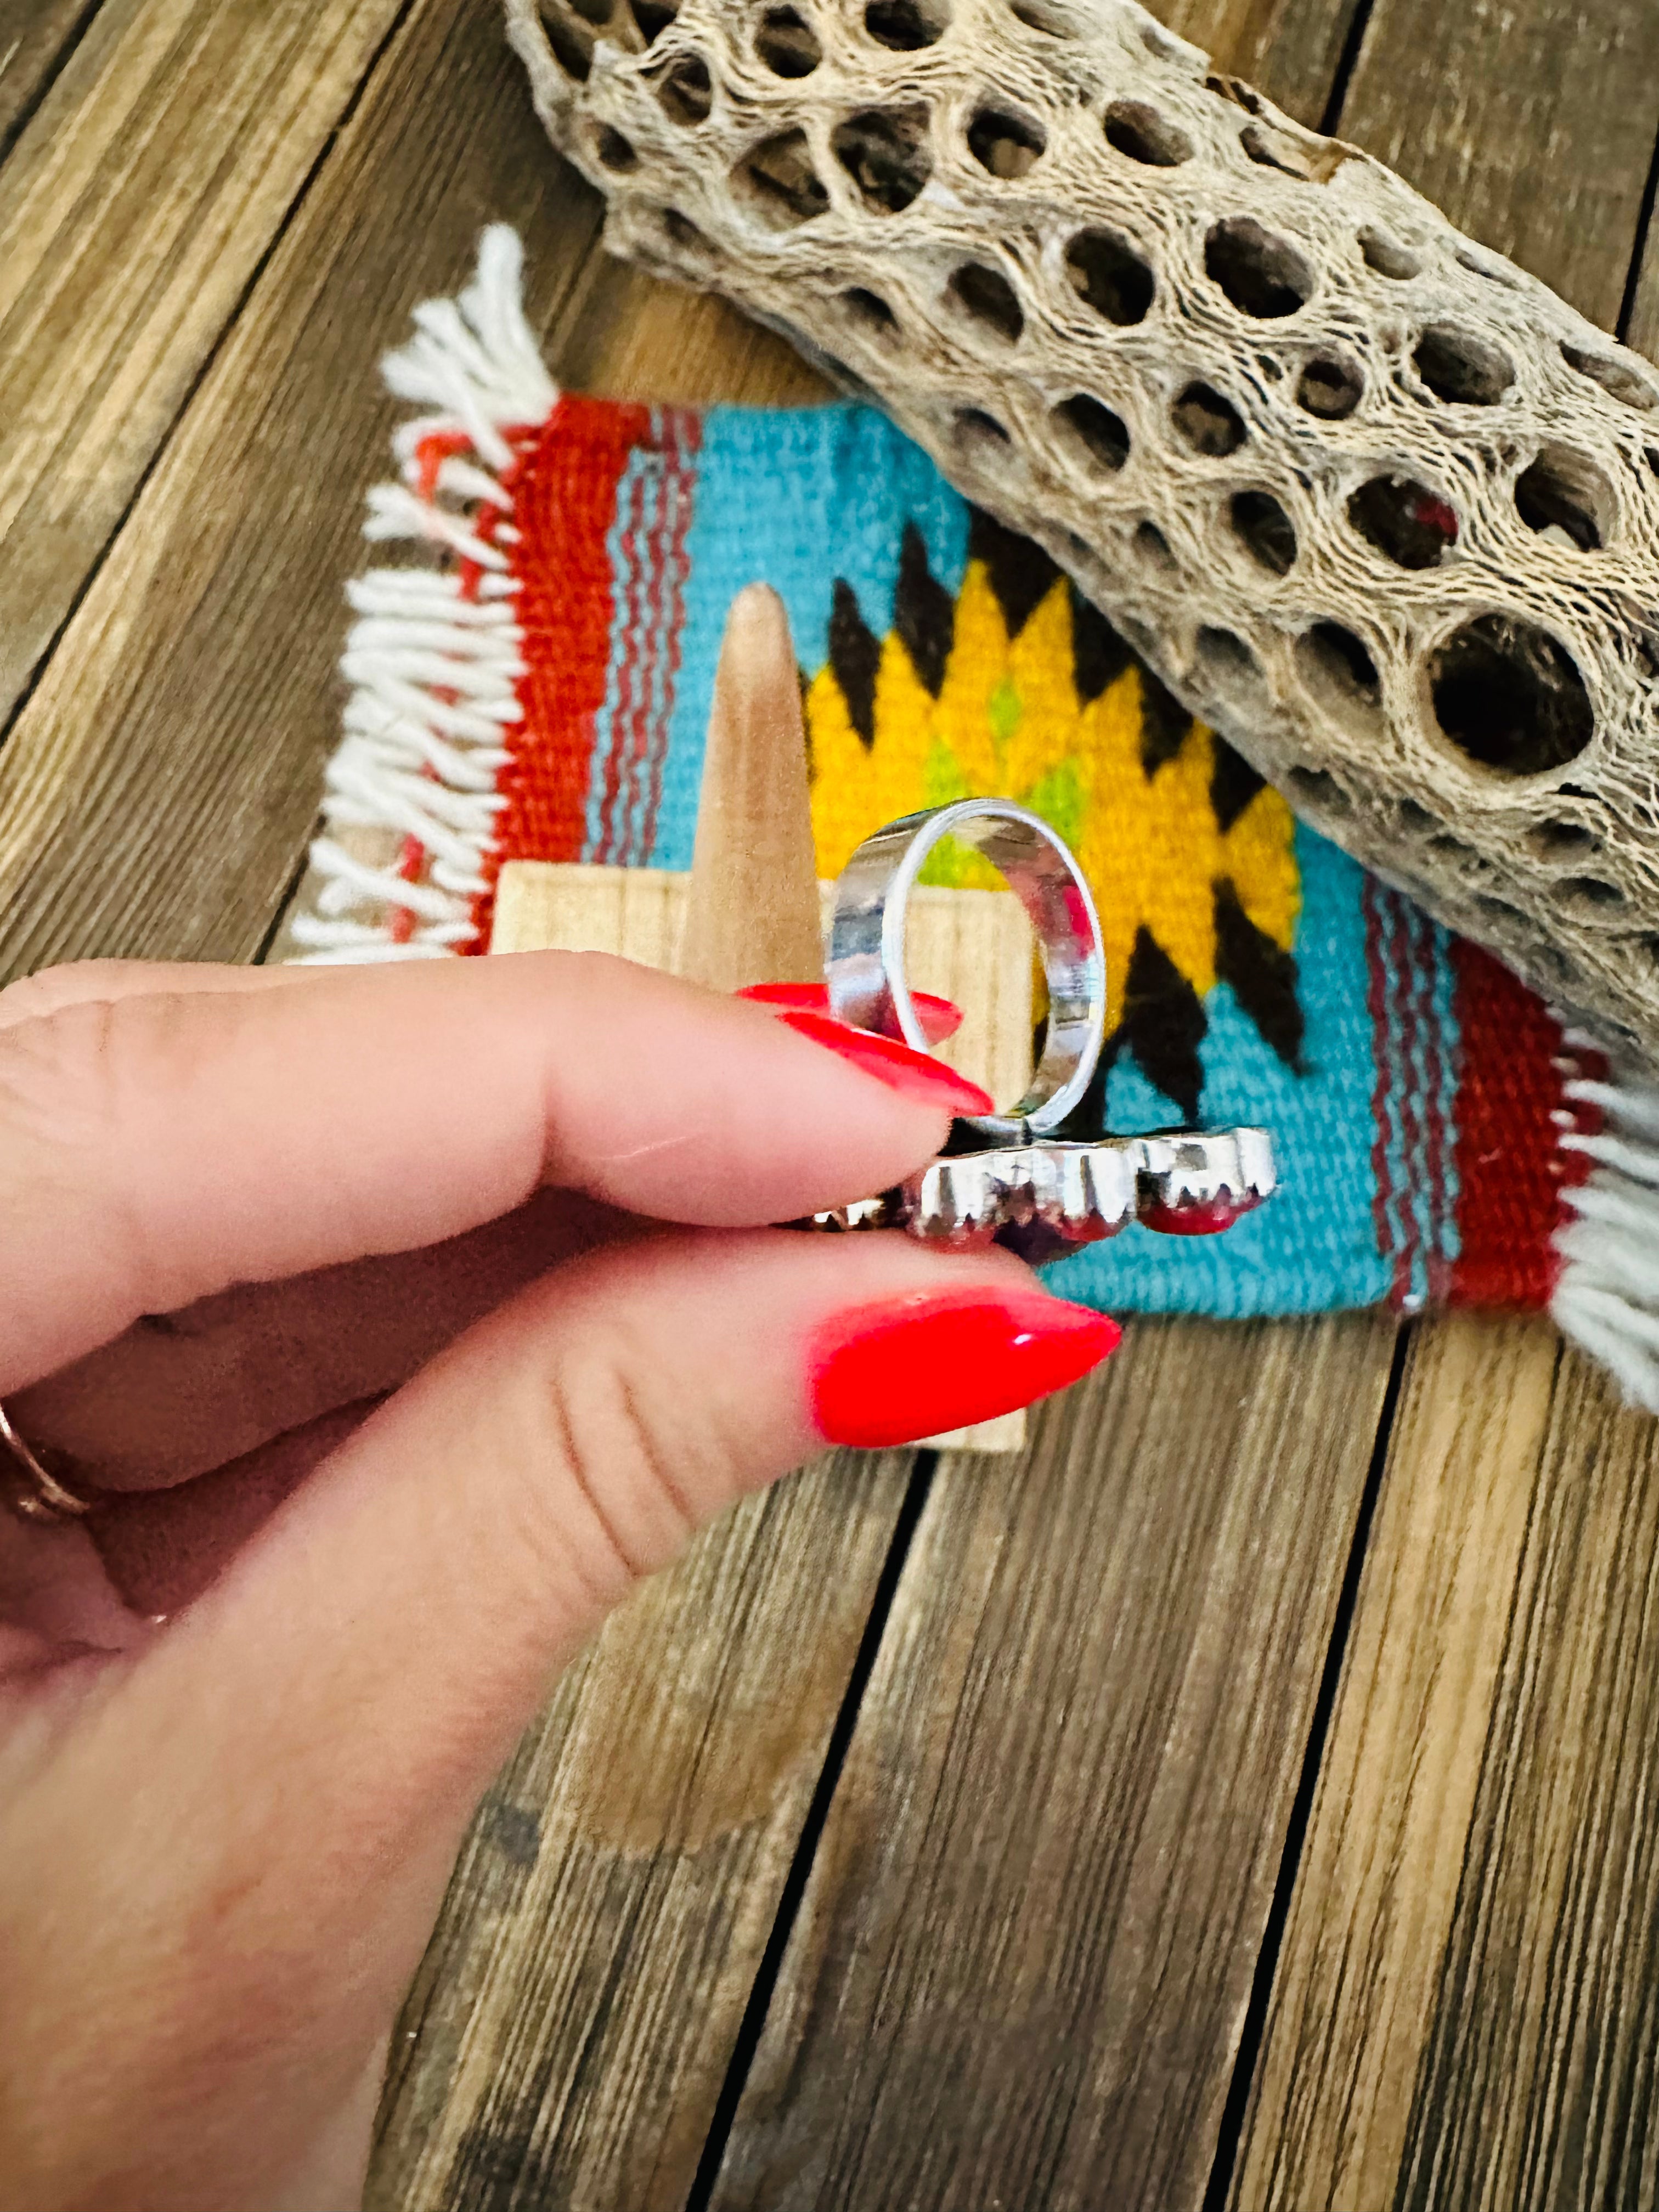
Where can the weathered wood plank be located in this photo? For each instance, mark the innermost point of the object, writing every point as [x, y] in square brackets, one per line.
[136, 207]
[1643, 331]
[1426, 1920]
[1357, 1979]
[34, 37]
[1537, 2087]
[1292, 49]
[1533, 126]
[157, 791]
[1031, 1927]
[1468, 1997]
[572, 2024]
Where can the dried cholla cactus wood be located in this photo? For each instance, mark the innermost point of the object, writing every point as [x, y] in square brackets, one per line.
[1370, 499]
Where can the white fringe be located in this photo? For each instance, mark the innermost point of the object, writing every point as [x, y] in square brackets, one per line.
[433, 661]
[1607, 1297]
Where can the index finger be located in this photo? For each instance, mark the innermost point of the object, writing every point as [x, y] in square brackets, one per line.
[157, 1147]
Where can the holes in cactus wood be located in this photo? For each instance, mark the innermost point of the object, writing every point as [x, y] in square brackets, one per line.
[652, 17]
[1004, 143]
[1226, 669]
[1153, 548]
[1590, 895]
[1561, 840]
[1339, 671]
[1139, 132]
[1459, 367]
[1410, 524]
[1103, 436]
[1486, 265]
[1387, 256]
[1110, 277]
[869, 312]
[1262, 275]
[884, 152]
[1510, 697]
[1561, 491]
[786, 45]
[1415, 819]
[596, 12]
[684, 236]
[1614, 376]
[979, 436]
[1265, 530]
[986, 297]
[1330, 386]
[1208, 421]
[685, 92]
[1318, 789]
[613, 151]
[1037, 17]
[906, 26]
[1162, 45]
[778, 182]
[570, 49]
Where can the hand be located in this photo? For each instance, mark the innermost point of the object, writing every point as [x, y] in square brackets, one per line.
[401, 1320]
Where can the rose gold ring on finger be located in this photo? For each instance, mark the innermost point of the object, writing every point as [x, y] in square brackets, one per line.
[35, 1491]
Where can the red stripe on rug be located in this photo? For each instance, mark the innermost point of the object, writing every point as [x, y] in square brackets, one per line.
[682, 438]
[564, 500]
[1510, 1166]
[1383, 1056]
[1436, 1265]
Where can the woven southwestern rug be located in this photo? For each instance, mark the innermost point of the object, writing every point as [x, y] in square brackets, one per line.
[539, 688]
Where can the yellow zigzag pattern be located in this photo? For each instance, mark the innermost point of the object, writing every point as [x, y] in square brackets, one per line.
[1008, 723]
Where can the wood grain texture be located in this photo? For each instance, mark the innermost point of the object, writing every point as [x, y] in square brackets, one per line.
[1643, 331]
[35, 36]
[1292, 48]
[1532, 125]
[1372, 2067]
[136, 207]
[1030, 1931]
[1357, 1979]
[157, 791]
[572, 2023]
[751, 913]
[1537, 2086]
[1470, 2011]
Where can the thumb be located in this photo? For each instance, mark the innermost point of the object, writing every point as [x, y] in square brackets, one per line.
[302, 1748]
[414, 1599]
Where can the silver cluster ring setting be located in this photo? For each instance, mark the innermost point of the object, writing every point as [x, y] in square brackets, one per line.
[1009, 1177]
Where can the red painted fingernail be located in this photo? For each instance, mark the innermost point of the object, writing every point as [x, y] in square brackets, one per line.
[911, 1072]
[909, 1367]
[940, 1018]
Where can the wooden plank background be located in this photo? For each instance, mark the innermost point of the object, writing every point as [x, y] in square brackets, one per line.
[1246, 1796]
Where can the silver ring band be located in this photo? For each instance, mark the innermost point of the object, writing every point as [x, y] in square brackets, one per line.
[37, 1494]
[866, 968]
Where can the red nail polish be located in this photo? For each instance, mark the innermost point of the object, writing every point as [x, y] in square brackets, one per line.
[940, 1018]
[911, 1072]
[908, 1367]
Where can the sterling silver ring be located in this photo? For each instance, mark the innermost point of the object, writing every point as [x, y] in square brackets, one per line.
[35, 1493]
[865, 967]
[1007, 1178]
